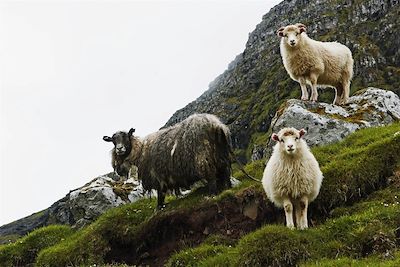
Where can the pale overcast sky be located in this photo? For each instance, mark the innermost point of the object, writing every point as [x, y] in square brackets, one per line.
[73, 71]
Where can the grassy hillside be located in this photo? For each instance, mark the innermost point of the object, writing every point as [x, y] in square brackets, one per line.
[355, 218]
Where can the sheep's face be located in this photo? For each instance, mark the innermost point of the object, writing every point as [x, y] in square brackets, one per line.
[121, 141]
[292, 34]
[289, 139]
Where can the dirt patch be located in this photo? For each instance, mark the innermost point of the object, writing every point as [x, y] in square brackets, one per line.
[170, 231]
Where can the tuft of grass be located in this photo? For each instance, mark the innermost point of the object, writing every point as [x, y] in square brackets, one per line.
[24, 251]
[273, 246]
[346, 261]
[192, 256]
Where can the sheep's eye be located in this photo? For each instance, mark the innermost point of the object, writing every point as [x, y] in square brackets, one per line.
[297, 33]
[296, 138]
[282, 141]
[285, 35]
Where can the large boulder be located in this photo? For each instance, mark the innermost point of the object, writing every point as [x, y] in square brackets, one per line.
[82, 205]
[328, 123]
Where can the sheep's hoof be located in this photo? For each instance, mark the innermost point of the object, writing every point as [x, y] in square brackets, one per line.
[160, 208]
[304, 98]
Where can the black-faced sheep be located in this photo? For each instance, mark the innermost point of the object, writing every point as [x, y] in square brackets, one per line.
[292, 177]
[176, 157]
[316, 63]
[120, 159]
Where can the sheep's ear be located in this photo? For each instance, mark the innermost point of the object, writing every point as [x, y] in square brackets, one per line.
[107, 138]
[275, 137]
[280, 31]
[131, 131]
[302, 132]
[302, 27]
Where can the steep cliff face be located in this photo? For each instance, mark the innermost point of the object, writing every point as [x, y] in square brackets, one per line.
[247, 95]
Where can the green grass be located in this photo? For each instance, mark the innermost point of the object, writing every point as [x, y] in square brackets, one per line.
[366, 231]
[354, 169]
[91, 244]
[364, 262]
[191, 257]
[123, 224]
[24, 251]
[357, 166]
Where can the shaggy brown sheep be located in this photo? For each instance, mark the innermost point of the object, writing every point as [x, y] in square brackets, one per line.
[174, 158]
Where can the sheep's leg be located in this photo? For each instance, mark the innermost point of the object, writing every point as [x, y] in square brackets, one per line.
[338, 96]
[303, 86]
[288, 206]
[297, 211]
[346, 92]
[160, 199]
[212, 186]
[223, 178]
[314, 91]
[303, 213]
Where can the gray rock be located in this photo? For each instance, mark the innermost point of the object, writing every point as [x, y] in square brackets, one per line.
[83, 205]
[90, 201]
[327, 123]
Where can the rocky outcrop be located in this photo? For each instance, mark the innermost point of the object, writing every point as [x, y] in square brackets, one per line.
[81, 206]
[327, 123]
[247, 95]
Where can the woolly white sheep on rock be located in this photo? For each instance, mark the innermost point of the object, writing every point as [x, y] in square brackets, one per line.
[292, 177]
[326, 64]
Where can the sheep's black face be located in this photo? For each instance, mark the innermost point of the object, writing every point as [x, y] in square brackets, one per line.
[121, 141]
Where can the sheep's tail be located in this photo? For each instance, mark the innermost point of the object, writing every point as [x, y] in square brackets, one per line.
[241, 167]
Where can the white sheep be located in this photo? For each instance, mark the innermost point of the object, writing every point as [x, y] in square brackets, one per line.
[292, 177]
[326, 64]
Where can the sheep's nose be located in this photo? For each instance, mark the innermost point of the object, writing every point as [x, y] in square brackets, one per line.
[292, 42]
[289, 146]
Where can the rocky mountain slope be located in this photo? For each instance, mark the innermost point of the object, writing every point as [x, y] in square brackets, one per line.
[325, 123]
[247, 95]
[355, 217]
